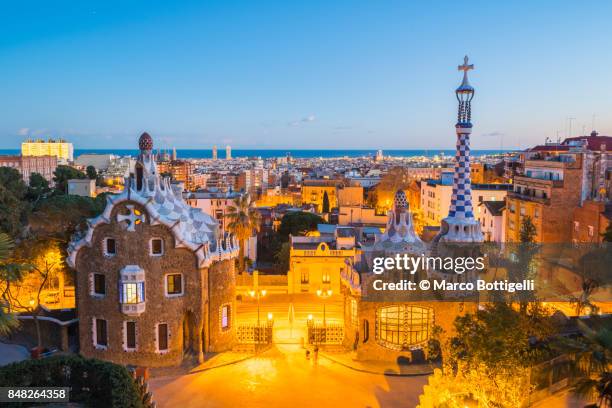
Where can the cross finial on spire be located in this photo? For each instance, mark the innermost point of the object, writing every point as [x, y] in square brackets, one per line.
[465, 67]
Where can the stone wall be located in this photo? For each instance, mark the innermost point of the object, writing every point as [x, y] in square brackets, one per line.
[222, 281]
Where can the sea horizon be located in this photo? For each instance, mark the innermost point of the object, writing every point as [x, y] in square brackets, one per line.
[295, 153]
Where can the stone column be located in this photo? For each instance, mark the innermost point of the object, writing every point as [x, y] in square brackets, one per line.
[197, 338]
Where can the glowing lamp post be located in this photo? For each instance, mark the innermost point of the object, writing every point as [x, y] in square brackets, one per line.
[257, 294]
[324, 294]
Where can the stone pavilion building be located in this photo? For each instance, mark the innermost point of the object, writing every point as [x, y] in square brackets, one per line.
[155, 277]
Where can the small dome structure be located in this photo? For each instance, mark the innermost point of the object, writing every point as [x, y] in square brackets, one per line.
[145, 142]
[400, 201]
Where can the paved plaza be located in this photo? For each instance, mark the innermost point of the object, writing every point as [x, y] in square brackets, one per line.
[282, 377]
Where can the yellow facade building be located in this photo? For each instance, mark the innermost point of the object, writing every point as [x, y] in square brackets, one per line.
[313, 192]
[63, 150]
[277, 196]
[317, 263]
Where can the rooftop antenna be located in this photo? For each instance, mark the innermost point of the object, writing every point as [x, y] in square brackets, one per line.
[593, 121]
[570, 120]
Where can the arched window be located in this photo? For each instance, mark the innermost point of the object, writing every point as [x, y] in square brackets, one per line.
[400, 326]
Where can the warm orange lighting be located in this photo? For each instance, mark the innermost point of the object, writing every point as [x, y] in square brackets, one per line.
[270, 316]
[324, 293]
[309, 317]
[257, 294]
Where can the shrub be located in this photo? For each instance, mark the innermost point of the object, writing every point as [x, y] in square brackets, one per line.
[92, 382]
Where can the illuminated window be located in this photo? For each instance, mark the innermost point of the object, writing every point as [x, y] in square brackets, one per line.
[138, 213]
[399, 327]
[353, 315]
[226, 317]
[304, 277]
[326, 277]
[174, 284]
[132, 292]
[576, 226]
[591, 231]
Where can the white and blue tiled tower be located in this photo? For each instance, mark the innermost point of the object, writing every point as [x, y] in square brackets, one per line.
[460, 225]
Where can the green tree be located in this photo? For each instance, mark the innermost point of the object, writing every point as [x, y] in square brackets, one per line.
[38, 188]
[282, 257]
[528, 230]
[500, 337]
[59, 216]
[62, 174]
[490, 359]
[299, 223]
[8, 322]
[91, 172]
[10, 274]
[243, 221]
[325, 206]
[13, 206]
[46, 261]
[397, 178]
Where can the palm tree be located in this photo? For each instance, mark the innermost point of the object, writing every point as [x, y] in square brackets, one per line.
[243, 220]
[8, 274]
[591, 359]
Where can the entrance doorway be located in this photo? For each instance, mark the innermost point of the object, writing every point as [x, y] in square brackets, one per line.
[188, 333]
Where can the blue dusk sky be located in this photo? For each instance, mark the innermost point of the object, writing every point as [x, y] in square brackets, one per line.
[307, 74]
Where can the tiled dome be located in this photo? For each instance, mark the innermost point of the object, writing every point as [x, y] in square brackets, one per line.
[145, 142]
[400, 200]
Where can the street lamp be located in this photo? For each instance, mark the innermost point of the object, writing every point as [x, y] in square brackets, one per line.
[257, 294]
[324, 294]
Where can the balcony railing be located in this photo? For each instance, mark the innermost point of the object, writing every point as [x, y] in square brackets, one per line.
[527, 197]
[133, 309]
[536, 180]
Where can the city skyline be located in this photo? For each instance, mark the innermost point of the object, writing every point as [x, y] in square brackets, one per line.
[310, 76]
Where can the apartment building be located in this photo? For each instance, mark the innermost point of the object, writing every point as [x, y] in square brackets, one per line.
[554, 180]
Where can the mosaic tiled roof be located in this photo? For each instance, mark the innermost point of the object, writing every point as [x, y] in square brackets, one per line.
[191, 227]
